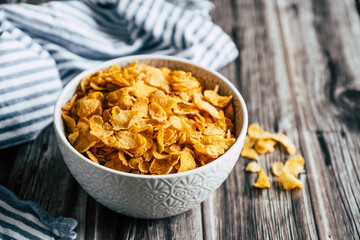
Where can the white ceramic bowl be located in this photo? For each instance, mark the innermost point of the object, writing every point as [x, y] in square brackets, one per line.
[153, 196]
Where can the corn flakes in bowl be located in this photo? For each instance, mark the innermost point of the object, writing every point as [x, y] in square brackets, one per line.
[150, 136]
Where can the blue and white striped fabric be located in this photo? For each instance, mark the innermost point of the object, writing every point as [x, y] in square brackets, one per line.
[26, 220]
[43, 46]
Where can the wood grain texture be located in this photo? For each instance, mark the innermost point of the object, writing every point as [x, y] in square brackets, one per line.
[319, 41]
[246, 212]
[299, 73]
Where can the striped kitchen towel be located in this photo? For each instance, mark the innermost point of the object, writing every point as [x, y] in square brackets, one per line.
[27, 220]
[43, 46]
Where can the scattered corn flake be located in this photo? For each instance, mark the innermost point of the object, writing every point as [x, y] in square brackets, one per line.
[249, 153]
[83, 123]
[295, 165]
[253, 166]
[249, 142]
[277, 168]
[264, 142]
[263, 146]
[182, 138]
[114, 76]
[174, 149]
[170, 136]
[256, 132]
[96, 95]
[262, 181]
[177, 123]
[289, 181]
[159, 155]
[285, 141]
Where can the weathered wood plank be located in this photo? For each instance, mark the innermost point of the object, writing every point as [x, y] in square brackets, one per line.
[106, 224]
[241, 211]
[315, 41]
[335, 185]
[317, 63]
[7, 160]
[39, 174]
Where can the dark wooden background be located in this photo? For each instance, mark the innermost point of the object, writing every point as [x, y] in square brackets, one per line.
[299, 72]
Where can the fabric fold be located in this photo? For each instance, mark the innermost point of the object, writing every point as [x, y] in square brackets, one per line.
[25, 219]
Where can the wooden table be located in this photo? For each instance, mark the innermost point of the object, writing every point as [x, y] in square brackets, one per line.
[299, 72]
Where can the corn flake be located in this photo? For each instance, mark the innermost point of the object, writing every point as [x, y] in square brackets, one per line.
[215, 99]
[144, 166]
[116, 164]
[157, 112]
[253, 167]
[289, 181]
[249, 153]
[249, 142]
[121, 118]
[260, 141]
[69, 105]
[70, 123]
[203, 105]
[277, 168]
[163, 166]
[262, 181]
[121, 98]
[92, 157]
[187, 161]
[294, 165]
[263, 146]
[257, 133]
[285, 141]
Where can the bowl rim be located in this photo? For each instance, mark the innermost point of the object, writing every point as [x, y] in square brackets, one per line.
[75, 81]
